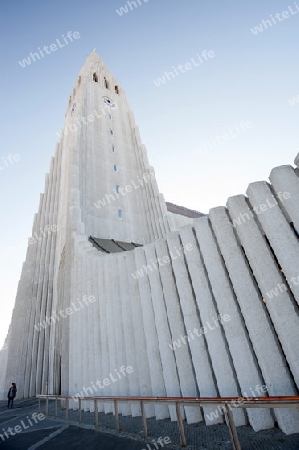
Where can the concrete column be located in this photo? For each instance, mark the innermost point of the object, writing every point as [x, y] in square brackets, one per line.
[112, 389]
[26, 314]
[200, 357]
[213, 323]
[262, 335]
[170, 375]
[286, 185]
[123, 383]
[281, 307]
[52, 220]
[99, 277]
[47, 285]
[73, 333]
[143, 366]
[152, 344]
[48, 362]
[104, 300]
[96, 321]
[43, 348]
[83, 341]
[279, 233]
[77, 325]
[32, 289]
[175, 320]
[131, 359]
[38, 299]
[240, 346]
[86, 326]
[91, 311]
[54, 360]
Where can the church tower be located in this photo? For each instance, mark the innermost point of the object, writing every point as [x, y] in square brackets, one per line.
[115, 188]
[101, 186]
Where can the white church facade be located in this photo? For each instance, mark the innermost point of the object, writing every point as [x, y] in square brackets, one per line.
[155, 298]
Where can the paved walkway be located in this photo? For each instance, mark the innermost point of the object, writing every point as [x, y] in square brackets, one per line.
[47, 434]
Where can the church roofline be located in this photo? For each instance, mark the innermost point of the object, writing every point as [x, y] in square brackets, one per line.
[183, 211]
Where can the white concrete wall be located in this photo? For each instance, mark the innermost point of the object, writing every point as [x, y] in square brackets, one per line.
[227, 272]
[159, 309]
[177, 221]
[3, 364]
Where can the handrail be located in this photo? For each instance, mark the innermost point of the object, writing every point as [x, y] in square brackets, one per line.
[290, 398]
[227, 403]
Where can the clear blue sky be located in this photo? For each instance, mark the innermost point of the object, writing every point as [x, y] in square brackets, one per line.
[251, 78]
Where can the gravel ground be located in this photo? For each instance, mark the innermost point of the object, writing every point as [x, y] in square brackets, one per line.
[199, 436]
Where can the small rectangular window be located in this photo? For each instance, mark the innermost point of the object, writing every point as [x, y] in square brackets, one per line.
[113, 149]
[110, 117]
[120, 213]
[112, 132]
[117, 189]
[115, 168]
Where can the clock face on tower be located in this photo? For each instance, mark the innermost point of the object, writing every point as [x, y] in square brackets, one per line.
[109, 102]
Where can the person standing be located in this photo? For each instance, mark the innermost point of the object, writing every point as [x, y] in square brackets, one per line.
[11, 394]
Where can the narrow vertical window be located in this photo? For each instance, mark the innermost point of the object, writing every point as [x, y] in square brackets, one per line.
[95, 78]
[106, 83]
[117, 189]
[112, 132]
[116, 90]
[113, 149]
[115, 168]
[110, 117]
[120, 213]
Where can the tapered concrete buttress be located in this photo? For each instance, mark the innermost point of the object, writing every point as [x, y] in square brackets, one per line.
[152, 344]
[281, 306]
[87, 389]
[37, 290]
[101, 319]
[90, 305]
[183, 359]
[143, 366]
[200, 357]
[119, 319]
[280, 235]
[32, 332]
[76, 322]
[285, 183]
[210, 319]
[263, 337]
[96, 322]
[240, 346]
[109, 268]
[129, 342]
[171, 380]
[106, 391]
